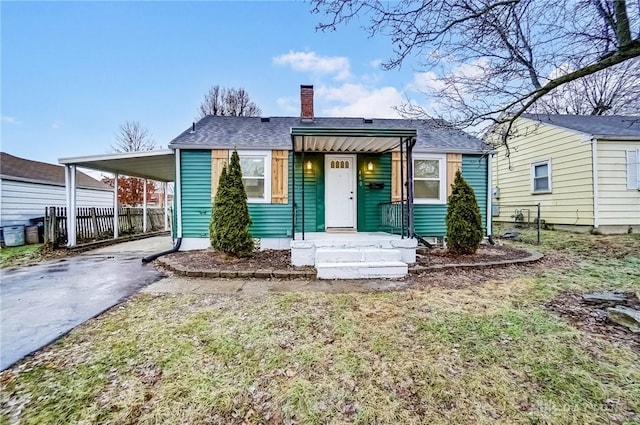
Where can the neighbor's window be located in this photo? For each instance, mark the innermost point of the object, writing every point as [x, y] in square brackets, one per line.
[256, 171]
[541, 176]
[429, 185]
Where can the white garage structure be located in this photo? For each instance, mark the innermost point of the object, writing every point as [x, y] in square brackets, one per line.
[149, 165]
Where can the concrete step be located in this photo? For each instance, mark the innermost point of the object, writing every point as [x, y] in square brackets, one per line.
[362, 270]
[351, 255]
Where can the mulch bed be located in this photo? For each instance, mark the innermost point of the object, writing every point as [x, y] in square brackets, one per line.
[213, 260]
[484, 254]
[592, 318]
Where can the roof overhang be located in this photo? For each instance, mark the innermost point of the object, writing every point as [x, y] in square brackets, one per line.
[153, 165]
[349, 139]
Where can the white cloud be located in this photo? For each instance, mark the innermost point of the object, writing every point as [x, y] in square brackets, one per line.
[289, 105]
[355, 100]
[57, 124]
[375, 63]
[425, 81]
[313, 63]
[9, 120]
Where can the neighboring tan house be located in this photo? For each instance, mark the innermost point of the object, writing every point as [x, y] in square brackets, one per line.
[583, 170]
[28, 187]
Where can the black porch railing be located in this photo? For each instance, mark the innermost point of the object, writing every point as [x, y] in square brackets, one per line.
[393, 216]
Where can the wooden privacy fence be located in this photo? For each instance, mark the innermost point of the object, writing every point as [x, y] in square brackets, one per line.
[94, 224]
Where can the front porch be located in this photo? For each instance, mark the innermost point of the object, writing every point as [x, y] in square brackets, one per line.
[354, 255]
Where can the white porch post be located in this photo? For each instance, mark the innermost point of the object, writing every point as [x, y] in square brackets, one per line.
[489, 194]
[166, 207]
[115, 206]
[144, 207]
[70, 184]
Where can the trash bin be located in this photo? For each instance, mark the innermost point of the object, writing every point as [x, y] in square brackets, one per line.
[31, 234]
[39, 221]
[13, 235]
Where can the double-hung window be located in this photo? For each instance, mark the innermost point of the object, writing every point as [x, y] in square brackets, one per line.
[429, 179]
[633, 169]
[256, 175]
[541, 176]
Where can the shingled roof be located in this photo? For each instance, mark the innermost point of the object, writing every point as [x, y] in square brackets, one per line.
[596, 125]
[13, 167]
[275, 133]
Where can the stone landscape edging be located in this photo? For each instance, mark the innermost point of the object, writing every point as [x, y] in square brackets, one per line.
[181, 270]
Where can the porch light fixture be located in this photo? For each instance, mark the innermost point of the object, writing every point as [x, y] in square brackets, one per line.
[309, 165]
[370, 166]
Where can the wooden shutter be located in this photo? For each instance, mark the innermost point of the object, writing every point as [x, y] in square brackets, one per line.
[279, 177]
[454, 163]
[219, 158]
[396, 182]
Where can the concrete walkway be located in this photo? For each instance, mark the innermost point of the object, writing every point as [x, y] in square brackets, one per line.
[186, 285]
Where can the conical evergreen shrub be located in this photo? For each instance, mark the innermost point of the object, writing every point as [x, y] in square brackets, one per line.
[230, 220]
[464, 222]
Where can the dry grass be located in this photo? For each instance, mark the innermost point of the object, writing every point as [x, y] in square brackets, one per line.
[485, 353]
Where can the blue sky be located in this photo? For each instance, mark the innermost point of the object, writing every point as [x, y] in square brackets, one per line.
[72, 72]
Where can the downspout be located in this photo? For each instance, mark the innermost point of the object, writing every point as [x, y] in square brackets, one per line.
[178, 196]
[490, 196]
[152, 257]
[594, 167]
[293, 188]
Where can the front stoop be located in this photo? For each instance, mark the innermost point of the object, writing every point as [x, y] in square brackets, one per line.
[358, 256]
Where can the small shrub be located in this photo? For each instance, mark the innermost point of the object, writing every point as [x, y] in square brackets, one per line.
[230, 221]
[464, 222]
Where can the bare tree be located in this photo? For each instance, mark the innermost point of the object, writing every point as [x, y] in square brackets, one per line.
[228, 101]
[133, 137]
[488, 61]
[612, 91]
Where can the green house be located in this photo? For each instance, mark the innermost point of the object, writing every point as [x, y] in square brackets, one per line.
[350, 196]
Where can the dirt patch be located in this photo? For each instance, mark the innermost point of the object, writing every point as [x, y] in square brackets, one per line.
[484, 254]
[591, 317]
[210, 259]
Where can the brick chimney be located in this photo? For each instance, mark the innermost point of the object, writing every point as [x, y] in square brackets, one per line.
[306, 103]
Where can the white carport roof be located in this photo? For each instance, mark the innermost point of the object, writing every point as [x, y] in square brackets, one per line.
[154, 165]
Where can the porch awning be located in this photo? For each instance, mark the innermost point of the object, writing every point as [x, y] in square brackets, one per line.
[153, 165]
[348, 139]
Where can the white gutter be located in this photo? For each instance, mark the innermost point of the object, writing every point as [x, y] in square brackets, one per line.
[594, 167]
[489, 194]
[177, 192]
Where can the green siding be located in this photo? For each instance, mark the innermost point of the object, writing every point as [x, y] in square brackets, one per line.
[195, 172]
[274, 220]
[369, 199]
[313, 193]
[474, 171]
[430, 219]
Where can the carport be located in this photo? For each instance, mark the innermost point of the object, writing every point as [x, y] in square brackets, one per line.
[149, 165]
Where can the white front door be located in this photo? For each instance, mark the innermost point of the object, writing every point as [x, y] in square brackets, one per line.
[340, 191]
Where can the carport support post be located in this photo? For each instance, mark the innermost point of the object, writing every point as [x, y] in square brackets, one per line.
[144, 207]
[70, 185]
[115, 206]
[166, 207]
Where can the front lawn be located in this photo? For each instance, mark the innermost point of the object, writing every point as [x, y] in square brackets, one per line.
[19, 255]
[475, 351]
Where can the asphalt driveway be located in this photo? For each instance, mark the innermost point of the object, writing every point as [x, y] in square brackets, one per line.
[40, 303]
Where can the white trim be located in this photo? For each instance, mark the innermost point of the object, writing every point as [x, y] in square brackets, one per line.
[120, 155]
[190, 244]
[594, 160]
[534, 164]
[177, 193]
[442, 172]
[267, 173]
[354, 183]
[631, 185]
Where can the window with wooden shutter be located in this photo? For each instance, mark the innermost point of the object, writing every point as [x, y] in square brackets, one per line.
[219, 158]
[279, 177]
[454, 163]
